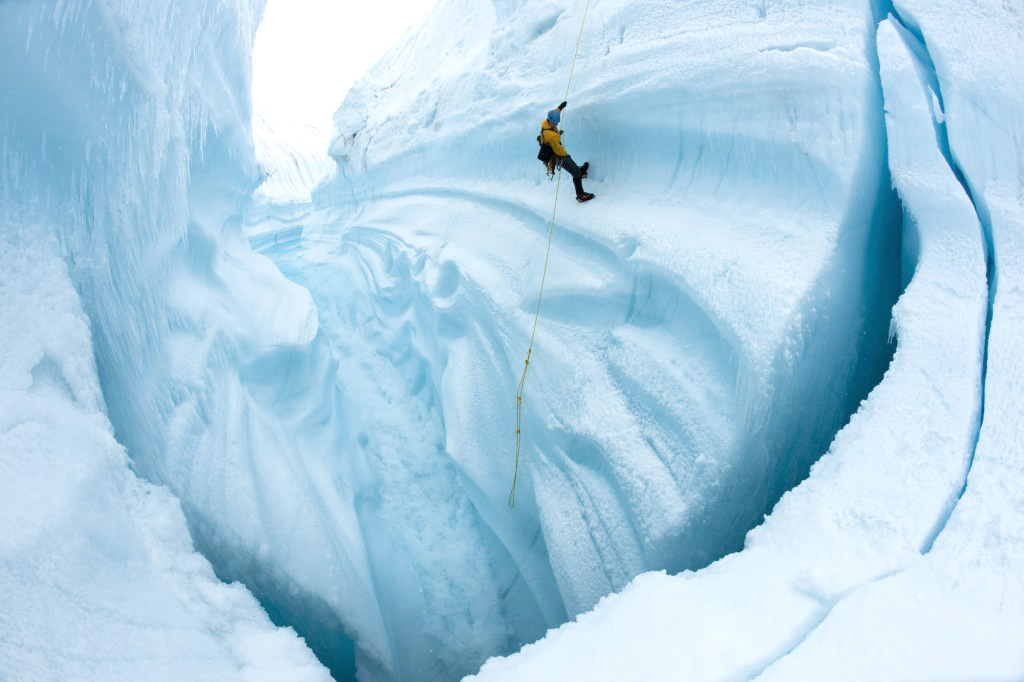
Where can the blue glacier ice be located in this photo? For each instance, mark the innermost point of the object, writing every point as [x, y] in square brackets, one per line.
[666, 407]
[258, 403]
[123, 159]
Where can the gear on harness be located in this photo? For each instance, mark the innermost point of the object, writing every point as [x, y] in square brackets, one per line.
[546, 155]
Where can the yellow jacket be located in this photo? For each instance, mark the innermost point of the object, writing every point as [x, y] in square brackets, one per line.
[552, 138]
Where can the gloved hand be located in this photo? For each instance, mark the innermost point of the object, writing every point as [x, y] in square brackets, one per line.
[563, 105]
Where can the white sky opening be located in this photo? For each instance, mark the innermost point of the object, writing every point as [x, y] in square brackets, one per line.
[309, 53]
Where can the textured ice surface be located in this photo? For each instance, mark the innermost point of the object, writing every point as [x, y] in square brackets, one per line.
[333, 414]
[122, 156]
[957, 611]
[738, 267]
[900, 557]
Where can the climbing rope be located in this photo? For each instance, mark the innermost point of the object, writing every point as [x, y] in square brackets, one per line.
[540, 294]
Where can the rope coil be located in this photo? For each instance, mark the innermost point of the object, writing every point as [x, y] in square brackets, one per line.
[540, 294]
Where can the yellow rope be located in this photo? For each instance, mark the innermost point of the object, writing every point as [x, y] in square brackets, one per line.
[540, 294]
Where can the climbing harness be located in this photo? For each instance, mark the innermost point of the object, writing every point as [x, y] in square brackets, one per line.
[540, 294]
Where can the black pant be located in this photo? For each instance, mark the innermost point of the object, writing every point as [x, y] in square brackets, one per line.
[577, 175]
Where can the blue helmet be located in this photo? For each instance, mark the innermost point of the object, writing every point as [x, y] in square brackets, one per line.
[555, 116]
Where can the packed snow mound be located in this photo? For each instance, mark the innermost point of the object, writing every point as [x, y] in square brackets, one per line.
[123, 156]
[901, 556]
[708, 324]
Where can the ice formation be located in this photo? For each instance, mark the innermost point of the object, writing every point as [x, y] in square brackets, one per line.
[123, 159]
[900, 557]
[313, 365]
[666, 410]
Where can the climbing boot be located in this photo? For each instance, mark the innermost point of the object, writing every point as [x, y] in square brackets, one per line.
[586, 196]
[583, 169]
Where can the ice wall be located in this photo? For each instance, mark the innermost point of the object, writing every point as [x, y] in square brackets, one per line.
[708, 324]
[337, 424]
[126, 149]
[900, 556]
[958, 609]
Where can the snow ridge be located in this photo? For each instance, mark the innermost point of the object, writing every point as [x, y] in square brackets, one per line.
[916, 43]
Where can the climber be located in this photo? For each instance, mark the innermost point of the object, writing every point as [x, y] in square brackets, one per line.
[553, 154]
